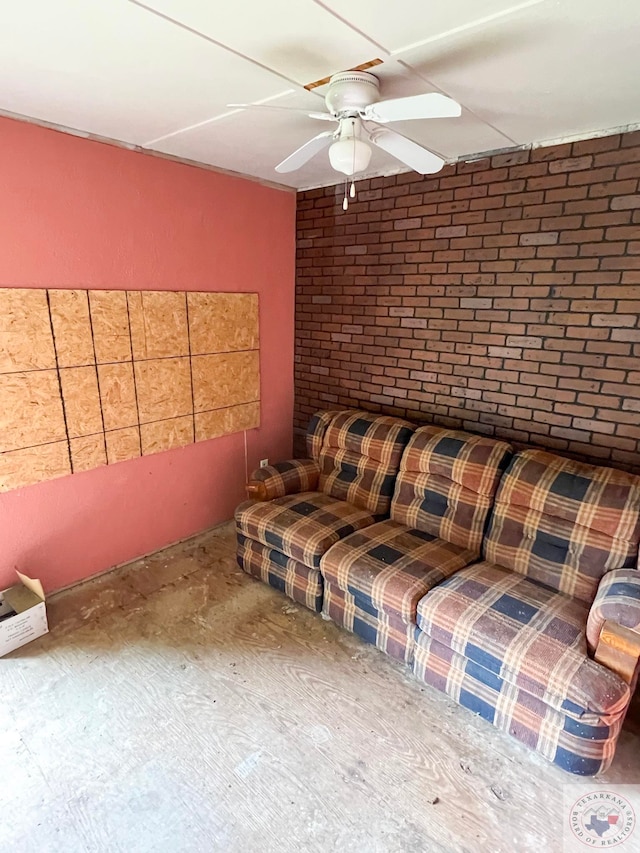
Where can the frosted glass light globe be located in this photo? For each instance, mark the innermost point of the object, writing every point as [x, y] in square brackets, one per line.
[349, 155]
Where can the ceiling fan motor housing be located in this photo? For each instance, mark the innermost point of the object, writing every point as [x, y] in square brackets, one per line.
[351, 91]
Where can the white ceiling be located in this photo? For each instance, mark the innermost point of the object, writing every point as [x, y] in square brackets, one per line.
[159, 73]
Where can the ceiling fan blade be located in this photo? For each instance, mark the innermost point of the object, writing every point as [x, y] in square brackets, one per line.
[431, 105]
[309, 113]
[303, 154]
[422, 161]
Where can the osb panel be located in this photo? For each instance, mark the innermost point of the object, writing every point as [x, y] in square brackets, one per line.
[164, 435]
[81, 400]
[110, 320]
[30, 409]
[223, 322]
[123, 444]
[30, 465]
[164, 388]
[88, 452]
[158, 324]
[227, 379]
[89, 378]
[118, 395]
[26, 342]
[71, 327]
[225, 421]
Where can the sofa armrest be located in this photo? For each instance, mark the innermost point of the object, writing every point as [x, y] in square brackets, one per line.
[619, 650]
[283, 478]
[617, 601]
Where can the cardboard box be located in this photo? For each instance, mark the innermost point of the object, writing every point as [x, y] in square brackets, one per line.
[23, 614]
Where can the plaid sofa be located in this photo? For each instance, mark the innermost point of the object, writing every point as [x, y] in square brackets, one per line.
[507, 637]
[375, 577]
[308, 506]
[493, 584]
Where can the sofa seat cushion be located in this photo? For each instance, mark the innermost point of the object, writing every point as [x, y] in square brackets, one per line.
[299, 582]
[584, 747]
[389, 567]
[525, 633]
[388, 633]
[302, 526]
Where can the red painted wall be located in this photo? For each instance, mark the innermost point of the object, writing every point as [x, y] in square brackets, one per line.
[81, 214]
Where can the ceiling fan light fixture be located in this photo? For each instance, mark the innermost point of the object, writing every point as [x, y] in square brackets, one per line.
[352, 101]
[349, 155]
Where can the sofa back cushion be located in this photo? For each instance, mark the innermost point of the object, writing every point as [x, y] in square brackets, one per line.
[360, 456]
[447, 483]
[563, 523]
[316, 432]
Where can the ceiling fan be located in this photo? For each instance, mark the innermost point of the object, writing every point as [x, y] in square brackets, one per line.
[352, 101]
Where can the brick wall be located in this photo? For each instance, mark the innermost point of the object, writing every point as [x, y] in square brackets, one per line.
[501, 296]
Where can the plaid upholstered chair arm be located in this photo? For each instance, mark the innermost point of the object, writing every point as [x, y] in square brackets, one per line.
[283, 478]
[613, 626]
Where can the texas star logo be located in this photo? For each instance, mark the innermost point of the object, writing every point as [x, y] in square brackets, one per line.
[602, 819]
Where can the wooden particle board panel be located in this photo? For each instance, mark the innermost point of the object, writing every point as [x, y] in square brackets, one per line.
[81, 400]
[26, 342]
[223, 421]
[118, 395]
[165, 435]
[71, 327]
[29, 465]
[110, 323]
[123, 444]
[225, 379]
[30, 409]
[158, 324]
[223, 322]
[88, 451]
[89, 378]
[163, 386]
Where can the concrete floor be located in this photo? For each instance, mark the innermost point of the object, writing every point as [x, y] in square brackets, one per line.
[179, 705]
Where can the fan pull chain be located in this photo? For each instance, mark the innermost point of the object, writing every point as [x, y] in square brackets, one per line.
[352, 193]
[345, 201]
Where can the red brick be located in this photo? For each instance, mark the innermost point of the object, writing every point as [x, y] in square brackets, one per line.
[627, 263]
[542, 238]
[613, 188]
[630, 170]
[528, 170]
[452, 231]
[591, 205]
[593, 176]
[542, 210]
[571, 164]
[524, 342]
[510, 158]
[625, 202]
[609, 217]
[552, 152]
[626, 155]
[596, 145]
[566, 194]
[546, 182]
[629, 140]
[602, 249]
[582, 235]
